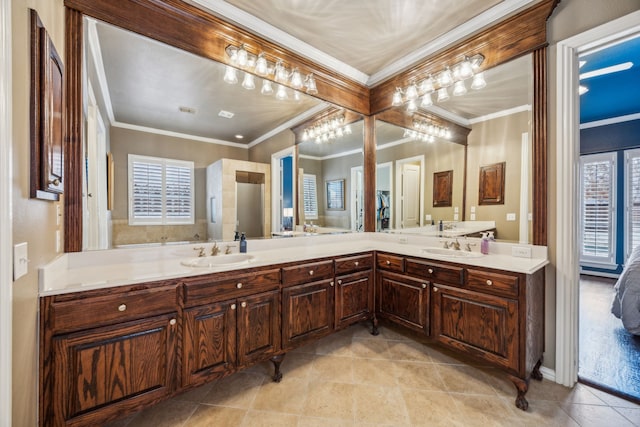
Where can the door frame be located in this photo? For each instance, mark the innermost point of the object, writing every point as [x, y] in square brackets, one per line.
[6, 226]
[354, 196]
[398, 190]
[567, 159]
[391, 189]
[276, 197]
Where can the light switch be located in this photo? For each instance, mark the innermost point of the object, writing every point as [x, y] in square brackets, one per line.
[473, 217]
[427, 217]
[20, 260]
[456, 210]
[473, 209]
[511, 217]
[455, 217]
[58, 214]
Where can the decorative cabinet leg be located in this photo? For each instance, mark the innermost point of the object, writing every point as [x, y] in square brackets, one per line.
[536, 374]
[522, 386]
[277, 360]
[374, 323]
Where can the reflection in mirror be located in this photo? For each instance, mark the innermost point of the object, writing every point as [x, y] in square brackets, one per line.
[145, 98]
[499, 120]
[326, 165]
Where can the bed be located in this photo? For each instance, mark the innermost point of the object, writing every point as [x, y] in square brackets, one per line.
[626, 302]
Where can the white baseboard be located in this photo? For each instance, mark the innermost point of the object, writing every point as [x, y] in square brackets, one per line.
[548, 374]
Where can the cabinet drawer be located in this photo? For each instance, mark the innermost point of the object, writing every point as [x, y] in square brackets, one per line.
[390, 262]
[306, 273]
[494, 283]
[435, 272]
[352, 264]
[208, 289]
[81, 313]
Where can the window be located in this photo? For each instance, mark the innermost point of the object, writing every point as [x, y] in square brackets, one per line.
[632, 200]
[310, 195]
[160, 191]
[597, 207]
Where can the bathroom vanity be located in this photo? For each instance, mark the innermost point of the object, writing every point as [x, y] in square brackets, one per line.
[116, 348]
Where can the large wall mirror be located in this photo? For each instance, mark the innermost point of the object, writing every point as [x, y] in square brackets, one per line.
[420, 183]
[152, 112]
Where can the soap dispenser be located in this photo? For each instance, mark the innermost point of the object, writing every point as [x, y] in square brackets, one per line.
[484, 244]
[236, 236]
[243, 243]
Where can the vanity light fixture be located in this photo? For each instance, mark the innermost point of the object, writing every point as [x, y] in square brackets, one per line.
[427, 131]
[327, 130]
[240, 57]
[439, 83]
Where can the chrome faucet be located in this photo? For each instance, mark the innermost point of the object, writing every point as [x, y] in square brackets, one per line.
[455, 245]
[215, 250]
[468, 246]
[200, 251]
[227, 250]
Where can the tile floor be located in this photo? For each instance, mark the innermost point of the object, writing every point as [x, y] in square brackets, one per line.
[354, 379]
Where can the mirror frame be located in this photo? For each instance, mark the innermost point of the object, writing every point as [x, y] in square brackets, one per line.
[186, 27]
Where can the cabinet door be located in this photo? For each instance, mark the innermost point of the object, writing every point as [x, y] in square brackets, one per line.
[258, 327]
[307, 312]
[479, 324]
[404, 300]
[354, 298]
[115, 369]
[209, 342]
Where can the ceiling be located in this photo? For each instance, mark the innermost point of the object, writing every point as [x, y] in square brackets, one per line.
[612, 95]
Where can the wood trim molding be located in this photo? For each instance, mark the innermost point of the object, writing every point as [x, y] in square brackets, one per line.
[516, 36]
[539, 147]
[187, 27]
[369, 173]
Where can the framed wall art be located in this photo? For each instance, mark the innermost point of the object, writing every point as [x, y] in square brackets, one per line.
[491, 190]
[442, 189]
[335, 195]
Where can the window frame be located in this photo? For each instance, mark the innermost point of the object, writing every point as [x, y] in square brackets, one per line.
[306, 176]
[608, 262]
[628, 156]
[165, 163]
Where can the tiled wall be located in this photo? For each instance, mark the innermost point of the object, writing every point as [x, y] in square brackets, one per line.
[124, 234]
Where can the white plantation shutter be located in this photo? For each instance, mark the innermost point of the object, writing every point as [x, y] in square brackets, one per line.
[632, 200]
[597, 220]
[310, 196]
[160, 191]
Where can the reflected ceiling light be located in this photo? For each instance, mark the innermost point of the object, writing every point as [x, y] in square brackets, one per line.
[281, 93]
[310, 84]
[296, 79]
[327, 130]
[430, 129]
[248, 82]
[437, 83]
[230, 75]
[262, 68]
[267, 89]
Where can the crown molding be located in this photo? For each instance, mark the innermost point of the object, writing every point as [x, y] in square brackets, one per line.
[331, 156]
[290, 123]
[477, 23]
[178, 135]
[96, 54]
[498, 114]
[268, 31]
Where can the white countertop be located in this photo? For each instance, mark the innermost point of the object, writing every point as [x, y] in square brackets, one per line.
[80, 271]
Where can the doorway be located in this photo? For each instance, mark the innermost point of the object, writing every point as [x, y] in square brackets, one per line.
[410, 191]
[283, 190]
[357, 199]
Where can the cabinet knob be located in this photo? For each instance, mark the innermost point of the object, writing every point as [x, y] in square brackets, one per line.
[388, 262]
[239, 285]
[122, 307]
[424, 286]
[310, 272]
[56, 182]
[430, 270]
[356, 263]
[340, 282]
[243, 304]
[233, 306]
[172, 322]
[489, 282]
[435, 289]
[330, 283]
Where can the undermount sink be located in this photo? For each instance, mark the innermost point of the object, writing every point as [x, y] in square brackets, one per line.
[452, 253]
[217, 261]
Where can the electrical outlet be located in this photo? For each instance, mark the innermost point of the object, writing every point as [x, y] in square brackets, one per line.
[530, 216]
[473, 209]
[456, 210]
[427, 217]
[511, 217]
[473, 217]
[404, 240]
[455, 217]
[521, 251]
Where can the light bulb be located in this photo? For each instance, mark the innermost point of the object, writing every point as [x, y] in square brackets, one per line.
[305, 135]
[459, 88]
[233, 57]
[478, 81]
[262, 67]
[267, 89]
[397, 98]
[447, 134]
[426, 100]
[296, 96]
[426, 86]
[443, 95]
[280, 72]
[230, 75]
[310, 82]
[281, 93]
[412, 92]
[243, 56]
[318, 140]
[445, 79]
[466, 70]
[296, 79]
[412, 107]
[339, 132]
[248, 82]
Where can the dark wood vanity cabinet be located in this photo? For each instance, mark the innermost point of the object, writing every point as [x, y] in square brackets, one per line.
[403, 300]
[353, 289]
[222, 336]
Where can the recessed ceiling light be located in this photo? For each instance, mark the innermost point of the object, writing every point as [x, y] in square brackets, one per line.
[225, 114]
[187, 110]
[239, 136]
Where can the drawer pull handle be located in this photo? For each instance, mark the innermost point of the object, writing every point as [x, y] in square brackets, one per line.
[435, 289]
[172, 322]
[243, 304]
[330, 283]
[489, 282]
[356, 263]
[122, 307]
[430, 270]
[388, 262]
[233, 306]
[424, 286]
[310, 272]
[239, 285]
